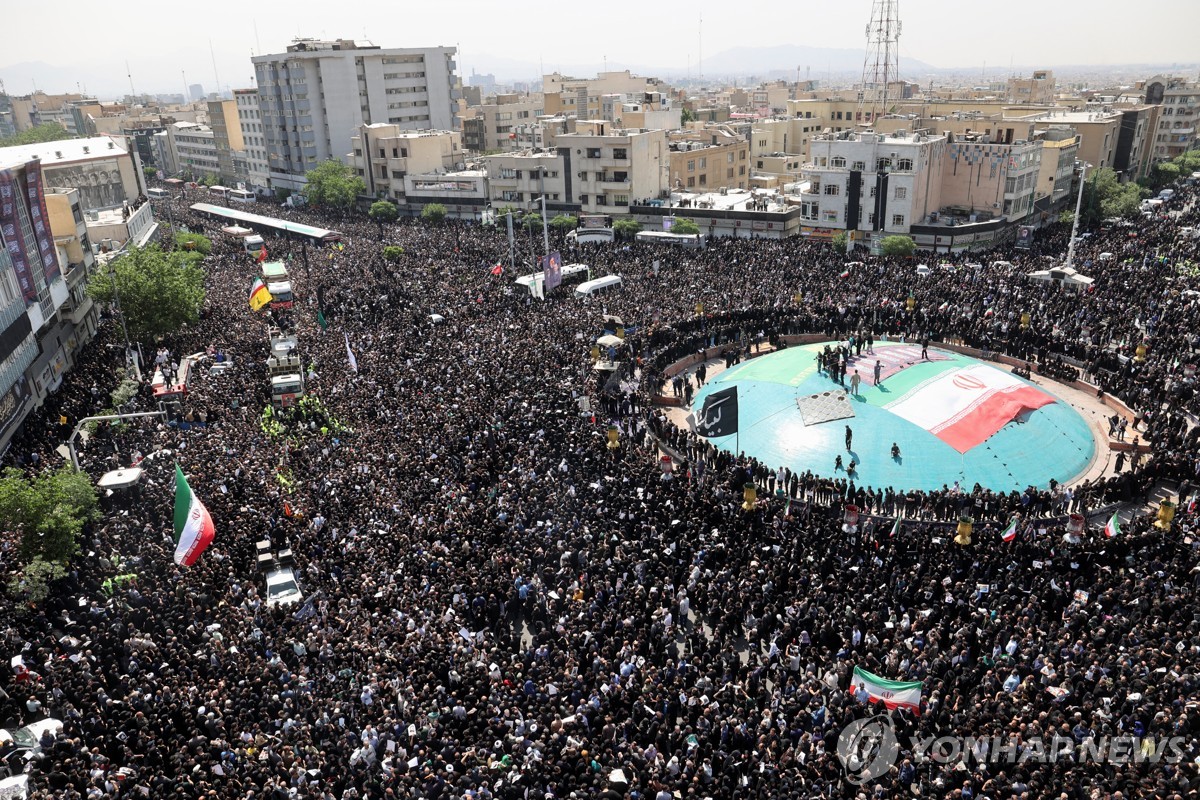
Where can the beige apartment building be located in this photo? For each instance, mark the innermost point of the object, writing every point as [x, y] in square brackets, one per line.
[493, 126]
[1178, 116]
[1038, 88]
[707, 159]
[1098, 131]
[609, 167]
[519, 180]
[384, 153]
[1060, 150]
[584, 97]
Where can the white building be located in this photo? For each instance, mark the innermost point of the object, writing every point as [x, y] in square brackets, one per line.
[313, 98]
[193, 149]
[871, 183]
[257, 175]
[609, 168]
[384, 154]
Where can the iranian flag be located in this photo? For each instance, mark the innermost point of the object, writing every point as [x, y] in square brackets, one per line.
[1009, 533]
[1113, 526]
[895, 529]
[193, 525]
[893, 694]
[965, 406]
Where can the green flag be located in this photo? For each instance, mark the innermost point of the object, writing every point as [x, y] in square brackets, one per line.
[321, 320]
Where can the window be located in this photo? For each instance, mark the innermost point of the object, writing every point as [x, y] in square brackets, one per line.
[898, 219]
[901, 192]
[729, 172]
[829, 216]
[593, 152]
[620, 152]
[704, 163]
[904, 165]
[838, 162]
[704, 180]
[692, 165]
[832, 189]
[621, 200]
[691, 180]
[883, 164]
[809, 210]
[742, 170]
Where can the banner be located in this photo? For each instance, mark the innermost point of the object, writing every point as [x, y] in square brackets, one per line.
[1025, 237]
[41, 221]
[552, 269]
[719, 416]
[10, 227]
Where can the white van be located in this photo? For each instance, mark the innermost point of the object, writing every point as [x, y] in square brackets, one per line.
[609, 283]
[157, 194]
[1167, 194]
[922, 270]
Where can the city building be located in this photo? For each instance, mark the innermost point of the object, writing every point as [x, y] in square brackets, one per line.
[493, 126]
[193, 151]
[584, 97]
[383, 154]
[227, 137]
[702, 159]
[871, 184]
[607, 168]
[313, 98]
[106, 173]
[38, 342]
[73, 244]
[1060, 151]
[1099, 130]
[1177, 119]
[196, 92]
[255, 171]
[520, 179]
[1038, 89]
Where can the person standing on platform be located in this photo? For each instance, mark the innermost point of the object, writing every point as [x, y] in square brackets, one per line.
[849, 437]
[878, 371]
[855, 382]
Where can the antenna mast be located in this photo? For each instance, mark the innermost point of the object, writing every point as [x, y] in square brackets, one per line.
[881, 67]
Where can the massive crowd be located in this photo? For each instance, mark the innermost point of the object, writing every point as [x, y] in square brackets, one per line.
[499, 605]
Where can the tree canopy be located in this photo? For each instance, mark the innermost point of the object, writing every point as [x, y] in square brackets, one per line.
[433, 213]
[685, 226]
[383, 211]
[159, 292]
[333, 184]
[898, 246]
[626, 227]
[48, 510]
[193, 241]
[564, 222]
[46, 132]
[1105, 196]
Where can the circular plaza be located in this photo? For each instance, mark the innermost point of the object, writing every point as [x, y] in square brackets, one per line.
[919, 420]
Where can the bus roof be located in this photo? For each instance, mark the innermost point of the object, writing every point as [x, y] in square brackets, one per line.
[567, 270]
[277, 226]
[597, 283]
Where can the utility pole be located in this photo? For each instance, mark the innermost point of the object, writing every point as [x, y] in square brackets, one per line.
[1075, 224]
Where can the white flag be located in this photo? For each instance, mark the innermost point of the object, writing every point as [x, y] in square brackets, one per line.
[350, 354]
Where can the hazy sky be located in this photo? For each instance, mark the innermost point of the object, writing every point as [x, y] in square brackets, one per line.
[160, 39]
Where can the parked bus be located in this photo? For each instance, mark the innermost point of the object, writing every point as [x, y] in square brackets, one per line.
[691, 241]
[572, 275]
[219, 191]
[241, 196]
[276, 227]
[274, 272]
[590, 235]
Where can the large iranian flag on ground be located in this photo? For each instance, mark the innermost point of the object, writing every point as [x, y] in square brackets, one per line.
[893, 694]
[965, 406]
[193, 525]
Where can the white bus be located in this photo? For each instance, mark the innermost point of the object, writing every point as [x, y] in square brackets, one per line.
[691, 241]
[241, 196]
[572, 275]
[219, 191]
[609, 283]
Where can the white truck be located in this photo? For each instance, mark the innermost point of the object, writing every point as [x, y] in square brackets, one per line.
[251, 242]
[285, 370]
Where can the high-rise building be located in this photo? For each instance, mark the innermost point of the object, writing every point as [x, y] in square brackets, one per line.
[256, 173]
[227, 136]
[196, 92]
[313, 98]
[1177, 119]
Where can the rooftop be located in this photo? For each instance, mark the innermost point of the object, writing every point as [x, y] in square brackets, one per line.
[1077, 117]
[64, 151]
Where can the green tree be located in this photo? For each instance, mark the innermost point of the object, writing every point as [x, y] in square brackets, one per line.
[626, 227]
[686, 116]
[564, 222]
[838, 242]
[209, 180]
[433, 213]
[46, 132]
[898, 246]
[48, 511]
[150, 172]
[1164, 173]
[333, 184]
[32, 584]
[393, 253]
[383, 212]
[194, 242]
[685, 226]
[1105, 196]
[531, 221]
[159, 292]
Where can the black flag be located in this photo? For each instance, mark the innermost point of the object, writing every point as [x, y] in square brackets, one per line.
[719, 416]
